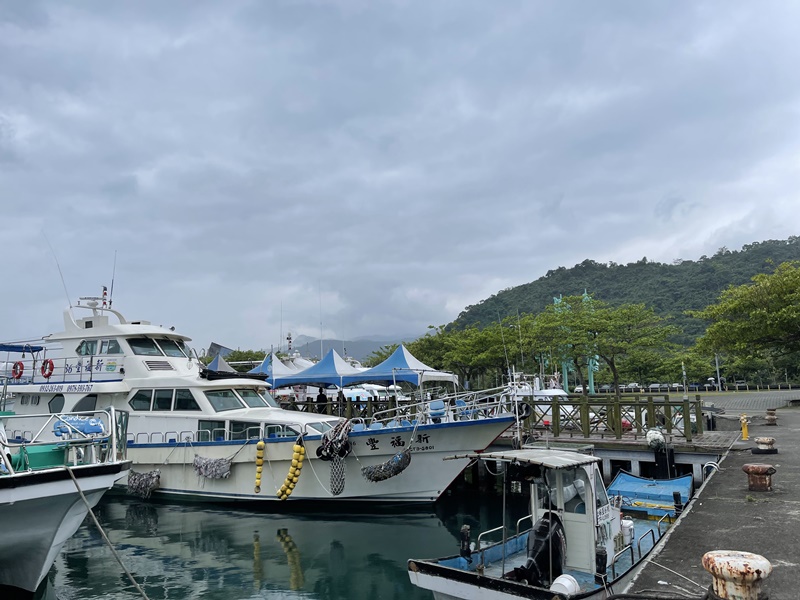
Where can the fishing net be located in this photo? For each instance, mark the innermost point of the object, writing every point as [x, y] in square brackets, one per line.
[394, 466]
[337, 474]
[212, 468]
[143, 484]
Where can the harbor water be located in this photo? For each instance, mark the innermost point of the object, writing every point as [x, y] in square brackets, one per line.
[182, 551]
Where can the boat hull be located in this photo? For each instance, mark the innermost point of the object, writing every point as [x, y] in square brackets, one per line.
[41, 510]
[424, 480]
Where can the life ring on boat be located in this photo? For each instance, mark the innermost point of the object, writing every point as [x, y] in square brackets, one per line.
[17, 370]
[47, 368]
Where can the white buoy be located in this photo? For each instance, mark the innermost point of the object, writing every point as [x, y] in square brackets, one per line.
[565, 584]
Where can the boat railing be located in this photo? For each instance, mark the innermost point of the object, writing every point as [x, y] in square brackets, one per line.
[42, 370]
[482, 535]
[618, 555]
[65, 439]
[519, 522]
[666, 517]
[652, 534]
[219, 434]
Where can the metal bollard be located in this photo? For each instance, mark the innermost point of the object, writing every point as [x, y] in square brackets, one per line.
[759, 477]
[736, 575]
[764, 445]
[743, 420]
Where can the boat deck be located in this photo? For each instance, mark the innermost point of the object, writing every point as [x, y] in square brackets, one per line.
[646, 534]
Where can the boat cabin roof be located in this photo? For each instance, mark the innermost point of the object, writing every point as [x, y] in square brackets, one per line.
[546, 457]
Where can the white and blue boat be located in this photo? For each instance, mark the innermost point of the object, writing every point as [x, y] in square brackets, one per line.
[574, 544]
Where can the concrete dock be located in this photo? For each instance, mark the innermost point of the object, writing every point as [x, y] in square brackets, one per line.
[726, 515]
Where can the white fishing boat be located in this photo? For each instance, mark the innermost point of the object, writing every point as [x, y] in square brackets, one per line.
[225, 438]
[53, 469]
[579, 545]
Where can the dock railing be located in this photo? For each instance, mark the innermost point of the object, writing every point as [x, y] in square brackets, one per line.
[587, 417]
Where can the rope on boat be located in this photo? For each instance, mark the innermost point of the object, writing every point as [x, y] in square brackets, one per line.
[143, 484]
[394, 466]
[105, 537]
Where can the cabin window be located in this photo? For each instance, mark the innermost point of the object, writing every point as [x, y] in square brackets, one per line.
[56, 404]
[211, 431]
[223, 400]
[110, 347]
[144, 347]
[279, 431]
[600, 490]
[251, 398]
[86, 403]
[87, 348]
[268, 398]
[170, 348]
[162, 400]
[141, 400]
[243, 430]
[185, 401]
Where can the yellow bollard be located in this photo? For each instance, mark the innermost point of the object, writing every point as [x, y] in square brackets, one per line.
[743, 420]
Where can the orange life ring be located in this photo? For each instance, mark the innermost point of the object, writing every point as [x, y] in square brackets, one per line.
[47, 368]
[17, 370]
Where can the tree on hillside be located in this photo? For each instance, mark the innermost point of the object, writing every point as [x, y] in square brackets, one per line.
[623, 330]
[759, 318]
[566, 330]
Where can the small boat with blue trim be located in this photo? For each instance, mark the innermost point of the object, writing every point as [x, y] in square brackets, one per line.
[53, 469]
[652, 498]
[578, 544]
[226, 438]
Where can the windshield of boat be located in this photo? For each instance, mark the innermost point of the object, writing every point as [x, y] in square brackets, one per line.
[252, 398]
[222, 400]
[144, 347]
[171, 348]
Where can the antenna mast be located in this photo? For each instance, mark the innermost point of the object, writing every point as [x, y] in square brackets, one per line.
[113, 275]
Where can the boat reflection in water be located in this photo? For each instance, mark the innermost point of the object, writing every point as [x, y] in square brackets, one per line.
[197, 551]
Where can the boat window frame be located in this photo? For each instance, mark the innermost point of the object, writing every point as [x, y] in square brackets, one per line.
[219, 407]
[175, 351]
[155, 399]
[191, 395]
[135, 394]
[263, 403]
[105, 347]
[133, 348]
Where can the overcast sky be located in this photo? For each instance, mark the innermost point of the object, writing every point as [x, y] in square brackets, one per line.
[264, 167]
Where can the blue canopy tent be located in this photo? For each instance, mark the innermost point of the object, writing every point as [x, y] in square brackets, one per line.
[331, 370]
[401, 366]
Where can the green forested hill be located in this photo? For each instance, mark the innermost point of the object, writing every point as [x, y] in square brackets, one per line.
[670, 289]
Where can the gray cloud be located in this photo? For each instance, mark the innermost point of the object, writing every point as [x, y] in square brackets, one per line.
[260, 167]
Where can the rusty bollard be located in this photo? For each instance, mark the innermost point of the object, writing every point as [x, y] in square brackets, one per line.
[759, 477]
[772, 417]
[764, 445]
[736, 575]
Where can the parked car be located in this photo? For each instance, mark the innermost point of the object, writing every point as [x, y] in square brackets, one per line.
[654, 387]
[578, 389]
[676, 386]
[606, 389]
[632, 387]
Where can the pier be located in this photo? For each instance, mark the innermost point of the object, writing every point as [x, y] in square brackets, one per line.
[726, 515]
